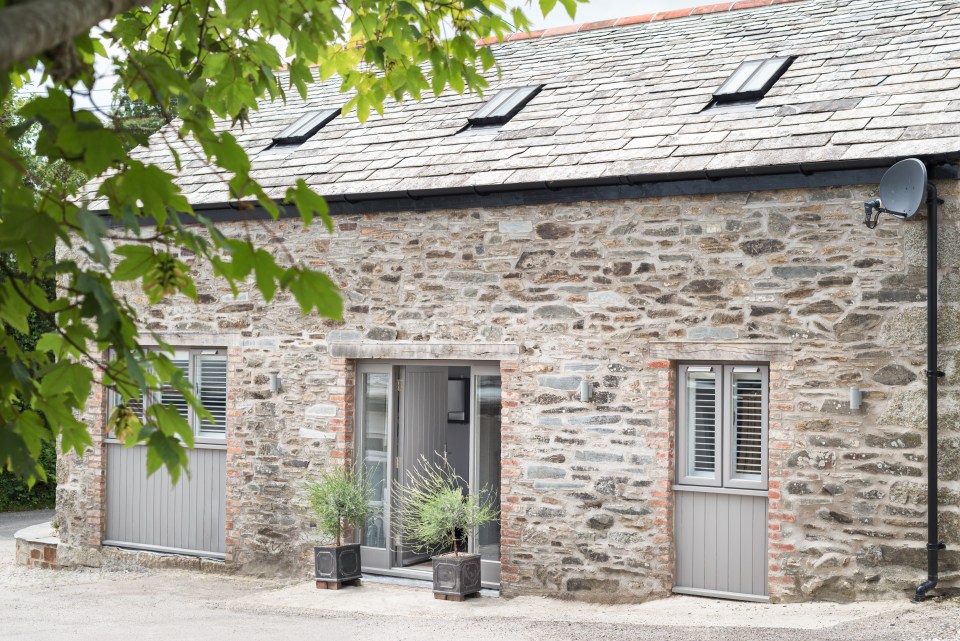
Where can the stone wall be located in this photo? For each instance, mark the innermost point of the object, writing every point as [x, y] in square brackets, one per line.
[615, 293]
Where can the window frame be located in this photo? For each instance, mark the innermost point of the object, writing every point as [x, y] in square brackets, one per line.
[740, 93]
[525, 93]
[193, 358]
[298, 131]
[684, 450]
[724, 439]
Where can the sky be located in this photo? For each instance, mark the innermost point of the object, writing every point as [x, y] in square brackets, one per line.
[590, 12]
[604, 10]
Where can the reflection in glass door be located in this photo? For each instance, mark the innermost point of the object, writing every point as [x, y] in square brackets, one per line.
[486, 465]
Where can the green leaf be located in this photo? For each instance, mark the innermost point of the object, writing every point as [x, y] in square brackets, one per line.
[94, 229]
[316, 290]
[66, 377]
[164, 450]
[546, 6]
[267, 272]
[309, 203]
[139, 260]
[14, 309]
[169, 421]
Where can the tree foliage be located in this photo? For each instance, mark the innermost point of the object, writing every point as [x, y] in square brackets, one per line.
[340, 500]
[433, 511]
[209, 63]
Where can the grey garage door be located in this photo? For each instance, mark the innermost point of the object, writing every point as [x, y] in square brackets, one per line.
[152, 514]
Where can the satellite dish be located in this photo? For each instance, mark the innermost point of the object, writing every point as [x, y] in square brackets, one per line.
[903, 187]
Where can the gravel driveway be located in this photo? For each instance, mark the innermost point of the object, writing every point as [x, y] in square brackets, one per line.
[147, 605]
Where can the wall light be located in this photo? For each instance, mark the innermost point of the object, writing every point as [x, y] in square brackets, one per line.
[856, 396]
[274, 382]
[586, 391]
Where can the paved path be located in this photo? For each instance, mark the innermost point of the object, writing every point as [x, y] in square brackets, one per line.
[148, 605]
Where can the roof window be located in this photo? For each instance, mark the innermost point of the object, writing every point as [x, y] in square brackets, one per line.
[752, 80]
[504, 106]
[305, 126]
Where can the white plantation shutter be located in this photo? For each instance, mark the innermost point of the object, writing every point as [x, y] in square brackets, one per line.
[747, 425]
[169, 395]
[700, 432]
[703, 424]
[206, 371]
[722, 433]
[211, 383]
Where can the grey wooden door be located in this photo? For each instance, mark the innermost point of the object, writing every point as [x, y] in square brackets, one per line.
[421, 431]
[150, 513]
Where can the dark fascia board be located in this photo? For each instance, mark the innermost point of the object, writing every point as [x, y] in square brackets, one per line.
[630, 187]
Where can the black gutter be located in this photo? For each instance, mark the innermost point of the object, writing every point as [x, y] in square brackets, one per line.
[627, 187]
[934, 545]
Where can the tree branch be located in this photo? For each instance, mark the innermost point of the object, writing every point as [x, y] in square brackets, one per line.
[28, 29]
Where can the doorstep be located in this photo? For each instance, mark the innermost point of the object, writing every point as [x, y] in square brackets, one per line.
[393, 598]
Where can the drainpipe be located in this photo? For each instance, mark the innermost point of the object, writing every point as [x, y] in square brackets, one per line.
[934, 545]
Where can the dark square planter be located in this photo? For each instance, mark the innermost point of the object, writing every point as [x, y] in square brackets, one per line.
[337, 563]
[456, 576]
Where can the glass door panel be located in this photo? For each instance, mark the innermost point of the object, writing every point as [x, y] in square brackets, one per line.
[375, 411]
[486, 474]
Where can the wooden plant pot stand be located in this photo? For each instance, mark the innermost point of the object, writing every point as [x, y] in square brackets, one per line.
[457, 598]
[335, 585]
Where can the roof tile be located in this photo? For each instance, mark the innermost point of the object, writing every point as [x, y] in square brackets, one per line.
[873, 80]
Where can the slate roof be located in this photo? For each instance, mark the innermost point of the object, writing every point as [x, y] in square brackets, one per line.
[873, 80]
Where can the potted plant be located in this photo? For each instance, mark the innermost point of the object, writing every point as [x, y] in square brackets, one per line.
[340, 501]
[437, 516]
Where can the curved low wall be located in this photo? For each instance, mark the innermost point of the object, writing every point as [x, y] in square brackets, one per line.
[37, 546]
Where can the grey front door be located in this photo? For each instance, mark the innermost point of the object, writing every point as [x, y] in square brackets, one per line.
[402, 418]
[421, 433]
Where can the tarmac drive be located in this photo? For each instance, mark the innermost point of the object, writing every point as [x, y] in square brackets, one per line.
[174, 605]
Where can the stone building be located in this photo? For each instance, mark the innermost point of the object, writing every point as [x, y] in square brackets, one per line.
[632, 294]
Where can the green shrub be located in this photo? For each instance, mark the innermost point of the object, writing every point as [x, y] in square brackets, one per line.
[435, 513]
[15, 496]
[339, 500]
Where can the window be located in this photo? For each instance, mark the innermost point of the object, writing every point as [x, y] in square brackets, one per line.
[752, 80]
[504, 106]
[722, 426]
[206, 369]
[305, 126]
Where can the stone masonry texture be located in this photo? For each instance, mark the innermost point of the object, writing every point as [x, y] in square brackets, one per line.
[614, 293]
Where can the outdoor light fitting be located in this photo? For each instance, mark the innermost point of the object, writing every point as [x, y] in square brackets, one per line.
[856, 397]
[274, 382]
[586, 391]
[902, 190]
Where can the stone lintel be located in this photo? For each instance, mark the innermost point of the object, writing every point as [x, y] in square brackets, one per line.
[424, 351]
[194, 339]
[722, 351]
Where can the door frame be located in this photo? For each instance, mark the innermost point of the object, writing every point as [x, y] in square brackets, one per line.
[381, 561]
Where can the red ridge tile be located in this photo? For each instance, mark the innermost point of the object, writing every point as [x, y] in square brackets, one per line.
[629, 20]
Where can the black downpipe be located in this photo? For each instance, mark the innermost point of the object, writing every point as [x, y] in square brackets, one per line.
[933, 374]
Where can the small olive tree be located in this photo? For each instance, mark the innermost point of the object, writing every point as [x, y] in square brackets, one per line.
[434, 511]
[340, 500]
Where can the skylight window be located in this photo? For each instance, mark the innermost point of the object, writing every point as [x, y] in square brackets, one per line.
[504, 106]
[305, 126]
[752, 80]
